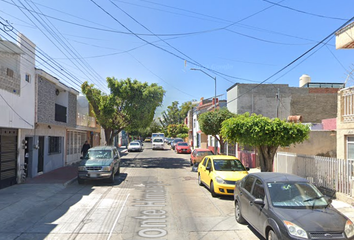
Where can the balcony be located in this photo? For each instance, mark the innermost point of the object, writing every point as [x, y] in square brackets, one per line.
[345, 37]
[347, 104]
[85, 121]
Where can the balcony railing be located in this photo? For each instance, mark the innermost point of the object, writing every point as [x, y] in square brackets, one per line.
[85, 120]
[347, 104]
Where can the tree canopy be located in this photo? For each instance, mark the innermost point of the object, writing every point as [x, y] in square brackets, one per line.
[265, 134]
[131, 105]
[210, 123]
[173, 130]
[175, 114]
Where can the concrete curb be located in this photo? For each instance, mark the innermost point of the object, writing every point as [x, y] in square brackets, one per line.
[69, 182]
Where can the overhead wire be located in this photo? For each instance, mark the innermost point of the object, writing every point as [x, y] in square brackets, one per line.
[55, 36]
[292, 62]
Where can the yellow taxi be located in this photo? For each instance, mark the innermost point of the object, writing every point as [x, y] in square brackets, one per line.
[219, 173]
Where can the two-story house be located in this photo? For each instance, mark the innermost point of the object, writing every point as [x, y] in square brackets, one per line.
[345, 117]
[17, 101]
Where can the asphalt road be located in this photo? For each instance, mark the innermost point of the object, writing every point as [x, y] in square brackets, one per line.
[155, 196]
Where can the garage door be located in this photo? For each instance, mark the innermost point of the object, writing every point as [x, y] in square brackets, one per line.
[8, 153]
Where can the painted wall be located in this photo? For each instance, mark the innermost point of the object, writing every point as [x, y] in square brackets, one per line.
[320, 143]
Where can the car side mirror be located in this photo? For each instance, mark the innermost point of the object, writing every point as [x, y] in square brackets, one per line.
[208, 168]
[81, 157]
[247, 168]
[258, 201]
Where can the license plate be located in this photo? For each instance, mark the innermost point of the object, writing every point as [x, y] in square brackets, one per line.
[93, 175]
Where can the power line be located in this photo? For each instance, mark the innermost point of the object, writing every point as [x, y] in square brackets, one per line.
[292, 62]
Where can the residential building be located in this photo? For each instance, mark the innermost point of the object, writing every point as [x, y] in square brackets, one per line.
[345, 115]
[17, 106]
[311, 102]
[200, 140]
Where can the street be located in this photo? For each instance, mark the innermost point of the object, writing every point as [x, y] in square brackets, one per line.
[155, 196]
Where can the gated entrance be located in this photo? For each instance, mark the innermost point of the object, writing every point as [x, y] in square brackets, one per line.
[8, 157]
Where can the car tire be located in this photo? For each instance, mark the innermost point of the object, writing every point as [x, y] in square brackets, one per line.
[212, 191]
[238, 215]
[272, 235]
[118, 170]
[111, 178]
[80, 180]
[200, 180]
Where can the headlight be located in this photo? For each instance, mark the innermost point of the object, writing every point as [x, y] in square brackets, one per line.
[295, 230]
[82, 168]
[220, 180]
[349, 229]
[106, 168]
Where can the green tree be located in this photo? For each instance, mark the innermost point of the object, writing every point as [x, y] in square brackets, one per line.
[265, 134]
[174, 130]
[210, 123]
[175, 114]
[131, 105]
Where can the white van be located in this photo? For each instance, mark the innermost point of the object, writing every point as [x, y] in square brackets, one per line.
[158, 143]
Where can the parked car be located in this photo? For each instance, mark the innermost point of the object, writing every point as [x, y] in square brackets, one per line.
[175, 140]
[285, 206]
[158, 143]
[219, 173]
[183, 147]
[148, 139]
[135, 146]
[101, 162]
[198, 154]
[167, 140]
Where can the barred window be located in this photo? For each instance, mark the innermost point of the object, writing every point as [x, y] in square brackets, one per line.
[54, 145]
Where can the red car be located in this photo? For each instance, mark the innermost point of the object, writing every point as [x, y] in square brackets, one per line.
[182, 147]
[198, 154]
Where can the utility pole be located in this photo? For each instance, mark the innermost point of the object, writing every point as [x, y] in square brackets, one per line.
[278, 102]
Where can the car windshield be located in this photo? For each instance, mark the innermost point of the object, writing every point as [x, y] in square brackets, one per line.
[295, 195]
[182, 144]
[135, 144]
[157, 140]
[204, 153]
[228, 165]
[99, 154]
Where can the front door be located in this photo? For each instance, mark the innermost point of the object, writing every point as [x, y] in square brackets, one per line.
[40, 155]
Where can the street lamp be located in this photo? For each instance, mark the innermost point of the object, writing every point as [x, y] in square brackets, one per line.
[197, 69]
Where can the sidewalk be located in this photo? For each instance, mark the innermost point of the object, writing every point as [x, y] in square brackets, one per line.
[64, 175]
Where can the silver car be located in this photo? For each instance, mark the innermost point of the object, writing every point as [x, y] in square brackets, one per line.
[101, 162]
[135, 146]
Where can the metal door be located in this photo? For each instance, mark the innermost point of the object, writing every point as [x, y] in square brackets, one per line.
[8, 157]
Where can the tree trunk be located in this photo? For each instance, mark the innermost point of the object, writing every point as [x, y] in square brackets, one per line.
[222, 145]
[266, 157]
[109, 136]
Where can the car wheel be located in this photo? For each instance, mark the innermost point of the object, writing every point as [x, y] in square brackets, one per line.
[118, 170]
[111, 178]
[272, 236]
[238, 214]
[80, 180]
[213, 194]
[200, 180]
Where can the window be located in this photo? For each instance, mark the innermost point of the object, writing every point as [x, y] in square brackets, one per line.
[60, 113]
[350, 147]
[10, 72]
[205, 161]
[54, 145]
[258, 190]
[248, 183]
[28, 78]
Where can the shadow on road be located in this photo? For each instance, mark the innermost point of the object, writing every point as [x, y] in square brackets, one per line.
[166, 163]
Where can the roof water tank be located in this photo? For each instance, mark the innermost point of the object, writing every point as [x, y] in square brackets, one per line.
[304, 79]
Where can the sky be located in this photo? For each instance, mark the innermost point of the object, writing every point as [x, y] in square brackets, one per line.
[155, 41]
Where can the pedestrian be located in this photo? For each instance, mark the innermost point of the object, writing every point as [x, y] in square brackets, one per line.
[85, 148]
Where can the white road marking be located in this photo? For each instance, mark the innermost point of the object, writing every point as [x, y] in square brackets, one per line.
[115, 222]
